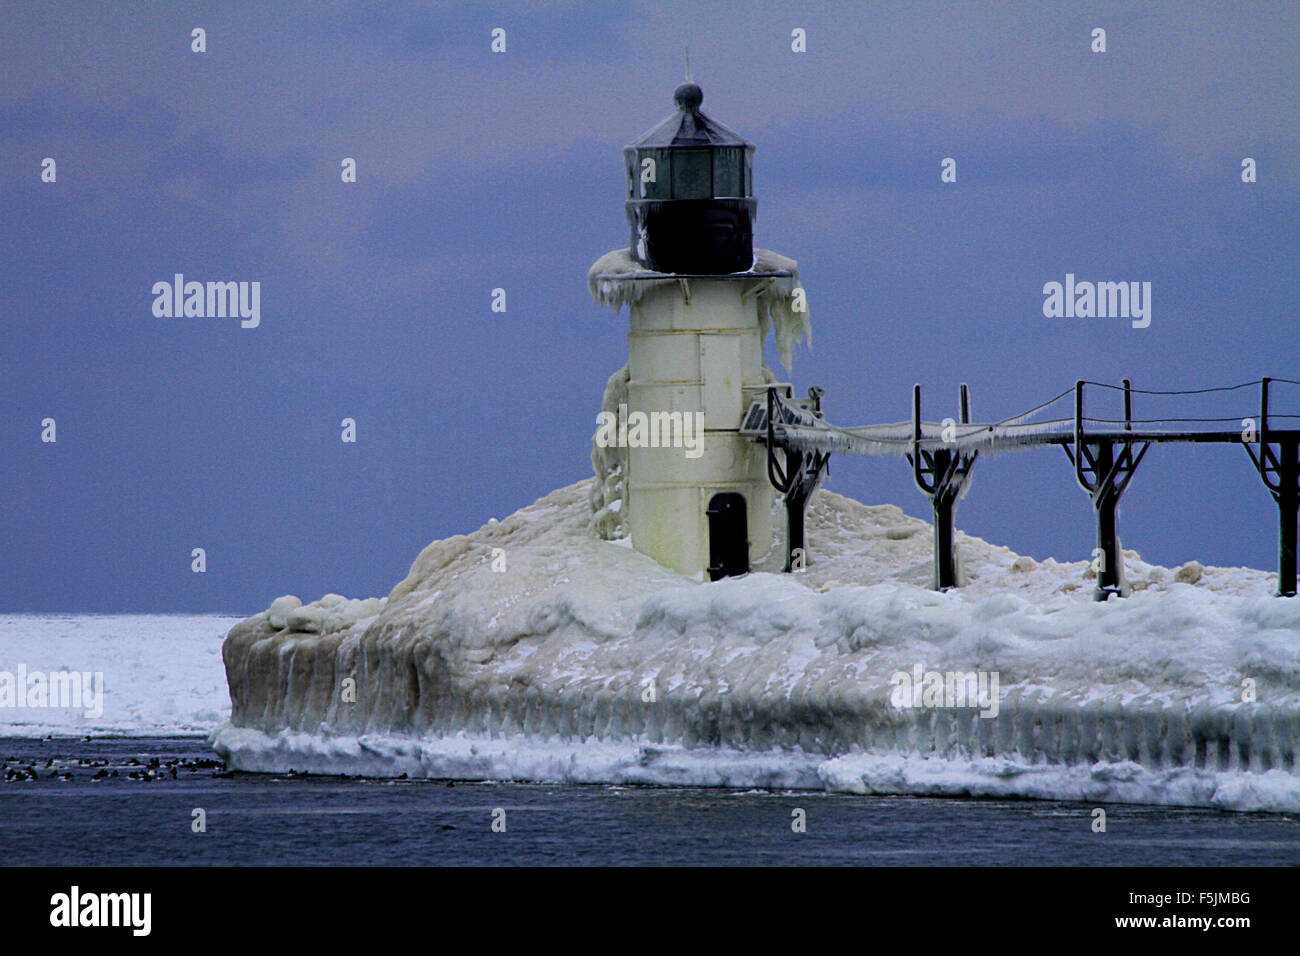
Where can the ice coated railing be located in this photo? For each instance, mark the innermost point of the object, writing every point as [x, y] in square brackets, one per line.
[1105, 453]
[1019, 431]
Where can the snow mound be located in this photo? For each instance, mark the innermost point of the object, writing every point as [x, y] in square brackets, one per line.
[533, 649]
[333, 612]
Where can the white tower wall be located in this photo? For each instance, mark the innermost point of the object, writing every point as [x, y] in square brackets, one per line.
[694, 346]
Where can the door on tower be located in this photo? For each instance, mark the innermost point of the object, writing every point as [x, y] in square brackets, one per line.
[728, 536]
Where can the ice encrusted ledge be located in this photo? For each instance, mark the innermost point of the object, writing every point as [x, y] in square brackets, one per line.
[541, 671]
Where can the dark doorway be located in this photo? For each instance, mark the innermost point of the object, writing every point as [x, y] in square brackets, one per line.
[728, 536]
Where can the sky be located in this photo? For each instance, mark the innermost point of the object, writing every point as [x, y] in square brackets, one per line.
[479, 170]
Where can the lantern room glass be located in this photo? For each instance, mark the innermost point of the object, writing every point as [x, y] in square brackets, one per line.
[690, 173]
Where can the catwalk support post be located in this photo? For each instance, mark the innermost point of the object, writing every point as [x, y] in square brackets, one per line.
[1103, 467]
[800, 476]
[1278, 464]
[942, 473]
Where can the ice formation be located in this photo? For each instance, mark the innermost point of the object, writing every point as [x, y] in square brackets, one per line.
[333, 612]
[617, 279]
[565, 657]
[609, 462]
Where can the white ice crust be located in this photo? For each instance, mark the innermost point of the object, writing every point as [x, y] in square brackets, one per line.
[609, 509]
[616, 279]
[544, 671]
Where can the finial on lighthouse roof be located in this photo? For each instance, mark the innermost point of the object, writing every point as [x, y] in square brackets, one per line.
[688, 96]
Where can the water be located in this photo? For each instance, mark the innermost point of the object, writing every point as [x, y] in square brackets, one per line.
[308, 820]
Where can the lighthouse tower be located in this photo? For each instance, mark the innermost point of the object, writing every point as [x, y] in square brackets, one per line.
[701, 302]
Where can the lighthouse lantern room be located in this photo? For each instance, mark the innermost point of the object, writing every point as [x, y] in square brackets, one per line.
[690, 193]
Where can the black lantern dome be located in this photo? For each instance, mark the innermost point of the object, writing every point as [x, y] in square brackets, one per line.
[690, 193]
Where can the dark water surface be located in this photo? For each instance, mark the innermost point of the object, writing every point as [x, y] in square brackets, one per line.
[144, 815]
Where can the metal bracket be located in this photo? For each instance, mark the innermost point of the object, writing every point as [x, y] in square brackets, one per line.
[801, 475]
[942, 475]
[1105, 476]
[1279, 469]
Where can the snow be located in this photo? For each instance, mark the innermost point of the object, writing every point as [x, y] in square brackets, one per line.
[278, 613]
[162, 672]
[587, 661]
[333, 612]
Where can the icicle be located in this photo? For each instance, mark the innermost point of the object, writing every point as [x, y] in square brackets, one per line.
[616, 279]
[609, 491]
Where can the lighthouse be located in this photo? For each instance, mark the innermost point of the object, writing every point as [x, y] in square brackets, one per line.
[673, 472]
